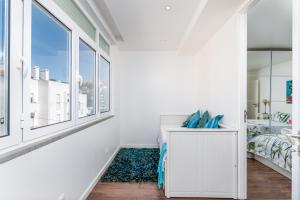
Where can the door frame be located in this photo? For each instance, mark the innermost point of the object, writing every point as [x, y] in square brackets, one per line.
[296, 100]
[242, 155]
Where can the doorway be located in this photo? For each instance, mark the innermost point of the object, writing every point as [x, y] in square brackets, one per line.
[267, 95]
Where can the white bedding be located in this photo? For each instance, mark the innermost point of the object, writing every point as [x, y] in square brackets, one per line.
[164, 133]
[265, 122]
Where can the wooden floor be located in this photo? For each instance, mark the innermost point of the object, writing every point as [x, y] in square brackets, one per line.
[263, 184]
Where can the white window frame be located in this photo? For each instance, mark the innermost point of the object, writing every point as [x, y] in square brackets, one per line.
[53, 9]
[20, 132]
[110, 89]
[111, 92]
[91, 43]
[14, 117]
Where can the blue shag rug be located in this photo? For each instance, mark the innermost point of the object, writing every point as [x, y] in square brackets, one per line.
[133, 165]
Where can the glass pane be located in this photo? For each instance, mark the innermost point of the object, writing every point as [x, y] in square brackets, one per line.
[104, 45]
[104, 93]
[74, 12]
[50, 70]
[87, 64]
[259, 65]
[281, 96]
[3, 66]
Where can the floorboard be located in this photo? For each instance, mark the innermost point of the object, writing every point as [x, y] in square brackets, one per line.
[263, 184]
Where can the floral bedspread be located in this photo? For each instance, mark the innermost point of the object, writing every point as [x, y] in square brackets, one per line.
[261, 127]
[274, 147]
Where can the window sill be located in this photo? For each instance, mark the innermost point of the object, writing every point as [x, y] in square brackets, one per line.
[26, 147]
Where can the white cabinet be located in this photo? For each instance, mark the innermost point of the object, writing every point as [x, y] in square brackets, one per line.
[202, 163]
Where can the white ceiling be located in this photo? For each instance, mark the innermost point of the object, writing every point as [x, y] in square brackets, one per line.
[213, 16]
[146, 25]
[270, 24]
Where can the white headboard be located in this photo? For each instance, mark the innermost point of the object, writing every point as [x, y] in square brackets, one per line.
[172, 119]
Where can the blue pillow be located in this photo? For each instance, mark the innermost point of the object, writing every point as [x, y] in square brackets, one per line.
[214, 122]
[194, 120]
[204, 119]
[185, 123]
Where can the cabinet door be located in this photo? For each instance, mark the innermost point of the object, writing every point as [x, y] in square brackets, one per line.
[183, 164]
[216, 158]
[202, 165]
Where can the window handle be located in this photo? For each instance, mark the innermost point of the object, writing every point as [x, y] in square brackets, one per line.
[80, 79]
[24, 67]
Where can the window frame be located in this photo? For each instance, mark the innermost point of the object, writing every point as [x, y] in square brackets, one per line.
[14, 76]
[109, 82]
[111, 77]
[54, 11]
[6, 67]
[20, 132]
[70, 60]
[91, 44]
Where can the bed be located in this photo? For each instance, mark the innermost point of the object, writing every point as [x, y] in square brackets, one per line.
[256, 127]
[192, 164]
[270, 145]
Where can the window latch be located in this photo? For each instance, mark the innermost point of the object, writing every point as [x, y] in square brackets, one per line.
[2, 120]
[23, 67]
[22, 121]
[245, 116]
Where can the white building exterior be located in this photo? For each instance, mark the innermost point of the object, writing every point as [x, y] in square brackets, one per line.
[50, 100]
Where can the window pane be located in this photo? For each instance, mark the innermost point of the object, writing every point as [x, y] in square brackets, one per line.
[3, 66]
[87, 63]
[74, 12]
[50, 72]
[104, 93]
[104, 45]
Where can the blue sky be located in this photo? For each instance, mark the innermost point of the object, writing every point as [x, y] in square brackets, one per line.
[2, 11]
[50, 44]
[50, 48]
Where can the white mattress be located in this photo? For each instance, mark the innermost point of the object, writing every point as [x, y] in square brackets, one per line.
[164, 133]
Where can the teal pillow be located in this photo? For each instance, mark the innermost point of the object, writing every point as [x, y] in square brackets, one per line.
[185, 123]
[214, 122]
[204, 119]
[194, 120]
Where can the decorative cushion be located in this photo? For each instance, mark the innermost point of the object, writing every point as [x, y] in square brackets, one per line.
[281, 117]
[185, 123]
[194, 120]
[214, 122]
[204, 119]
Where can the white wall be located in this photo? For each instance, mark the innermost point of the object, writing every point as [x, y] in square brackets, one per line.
[219, 78]
[153, 83]
[66, 166]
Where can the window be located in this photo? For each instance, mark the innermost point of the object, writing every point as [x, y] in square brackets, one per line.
[3, 67]
[87, 65]
[76, 14]
[51, 68]
[104, 91]
[104, 45]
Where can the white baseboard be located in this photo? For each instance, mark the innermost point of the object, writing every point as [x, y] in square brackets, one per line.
[97, 178]
[139, 146]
